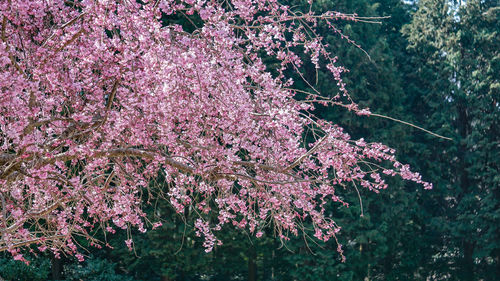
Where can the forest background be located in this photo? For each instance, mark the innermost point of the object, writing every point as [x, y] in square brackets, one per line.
[431, 63]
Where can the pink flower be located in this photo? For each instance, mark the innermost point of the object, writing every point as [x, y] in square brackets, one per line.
[129, 243]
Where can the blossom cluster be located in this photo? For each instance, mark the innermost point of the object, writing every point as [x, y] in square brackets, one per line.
[101, 97]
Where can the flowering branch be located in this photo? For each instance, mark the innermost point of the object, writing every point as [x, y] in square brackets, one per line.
[100, 97]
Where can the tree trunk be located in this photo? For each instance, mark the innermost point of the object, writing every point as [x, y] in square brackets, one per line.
[465, 183]
[468, 263]
[498, 262]
[57, 268]
[252, 264]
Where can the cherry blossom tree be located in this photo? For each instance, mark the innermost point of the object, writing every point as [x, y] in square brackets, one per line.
[99, 98]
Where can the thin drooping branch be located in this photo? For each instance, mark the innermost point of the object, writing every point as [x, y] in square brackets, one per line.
[411, 125]
[35, 214]
[32, 241]
[4, 210]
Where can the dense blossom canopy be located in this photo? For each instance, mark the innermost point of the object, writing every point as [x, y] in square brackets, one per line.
[100, 98]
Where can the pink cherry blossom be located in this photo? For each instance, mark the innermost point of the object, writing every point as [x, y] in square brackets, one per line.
[100, 98]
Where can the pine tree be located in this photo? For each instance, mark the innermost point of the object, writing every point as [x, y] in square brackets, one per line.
[456, 89]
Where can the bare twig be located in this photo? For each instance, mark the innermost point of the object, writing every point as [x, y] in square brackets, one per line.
[409, 124]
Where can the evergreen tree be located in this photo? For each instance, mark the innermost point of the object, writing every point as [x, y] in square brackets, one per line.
[456, 89]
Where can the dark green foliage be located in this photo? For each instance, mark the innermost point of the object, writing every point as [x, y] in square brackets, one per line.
[456, 53]
[37, 270]
[94, 269]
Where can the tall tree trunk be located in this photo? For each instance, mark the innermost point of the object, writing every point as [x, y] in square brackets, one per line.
[56, 268]
[465, 184]
[498, 261]
[468, 263]
[252, 264]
